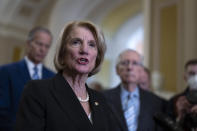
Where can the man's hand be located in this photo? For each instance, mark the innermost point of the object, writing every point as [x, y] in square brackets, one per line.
[194, 109]
[182, 106]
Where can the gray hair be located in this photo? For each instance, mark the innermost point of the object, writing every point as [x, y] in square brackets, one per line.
[128, 50]
[33, 31]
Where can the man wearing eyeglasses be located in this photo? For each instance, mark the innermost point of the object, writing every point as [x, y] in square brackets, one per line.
[14, 76]
[133, 106]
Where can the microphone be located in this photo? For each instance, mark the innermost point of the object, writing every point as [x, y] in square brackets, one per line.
[167, 122]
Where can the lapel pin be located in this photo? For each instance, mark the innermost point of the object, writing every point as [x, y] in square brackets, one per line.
[96, 103]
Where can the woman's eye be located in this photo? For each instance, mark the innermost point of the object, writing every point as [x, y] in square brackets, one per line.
[75, 42]
[92, 44]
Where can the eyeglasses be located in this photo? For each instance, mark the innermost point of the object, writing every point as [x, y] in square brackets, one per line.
[127, 62]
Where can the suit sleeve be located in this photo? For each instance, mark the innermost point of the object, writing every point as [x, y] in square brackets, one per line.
[4, 96]
[31, 113]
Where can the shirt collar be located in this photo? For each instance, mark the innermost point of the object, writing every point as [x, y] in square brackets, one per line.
[125, 93]
[31, 65]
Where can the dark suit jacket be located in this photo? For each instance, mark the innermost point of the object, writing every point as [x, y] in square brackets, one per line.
[149, 105]
[51, 105]
[13, 77]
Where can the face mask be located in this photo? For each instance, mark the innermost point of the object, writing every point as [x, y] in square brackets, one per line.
[192, 82]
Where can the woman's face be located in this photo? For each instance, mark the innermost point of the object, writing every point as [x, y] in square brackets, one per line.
[81, 51]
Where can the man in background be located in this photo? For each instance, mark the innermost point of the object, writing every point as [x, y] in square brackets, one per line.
[14, 76]
[184, 104]
[145, 78]
[134, 107]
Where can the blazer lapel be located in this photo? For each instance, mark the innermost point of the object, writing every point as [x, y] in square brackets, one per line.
[143, 113]
[24, 71]
[118, 112]
[97, 112]
[70, 104]
[44, 72]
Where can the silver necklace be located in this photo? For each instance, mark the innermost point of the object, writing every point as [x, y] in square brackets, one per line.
[84, 100]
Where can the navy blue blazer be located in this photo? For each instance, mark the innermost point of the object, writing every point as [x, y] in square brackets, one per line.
[51, 105]
[13, 77]
[149, 105]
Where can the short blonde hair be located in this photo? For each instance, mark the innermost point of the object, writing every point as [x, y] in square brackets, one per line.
[59, 59]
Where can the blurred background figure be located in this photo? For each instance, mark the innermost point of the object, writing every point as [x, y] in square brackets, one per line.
[96, 86]
[145, 78]
[15, 75]
[133, 106]
[183, 106]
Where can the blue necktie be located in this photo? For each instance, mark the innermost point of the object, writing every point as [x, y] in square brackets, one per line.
[35, 75]
[130, 114]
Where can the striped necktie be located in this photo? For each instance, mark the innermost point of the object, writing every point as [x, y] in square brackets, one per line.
[35, 75]
[130, 114]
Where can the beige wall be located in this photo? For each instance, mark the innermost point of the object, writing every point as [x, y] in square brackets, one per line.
[168, 46]
[173, 40]
[44, 17]
[114, 19]
[11, 49]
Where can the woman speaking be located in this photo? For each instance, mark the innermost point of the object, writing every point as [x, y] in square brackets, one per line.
[65, 103]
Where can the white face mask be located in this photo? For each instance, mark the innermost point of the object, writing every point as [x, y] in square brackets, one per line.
[192, 82]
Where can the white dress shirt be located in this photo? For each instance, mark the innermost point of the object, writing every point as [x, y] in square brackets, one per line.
[31, 65]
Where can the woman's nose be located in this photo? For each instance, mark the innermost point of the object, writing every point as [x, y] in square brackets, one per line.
[84, 48]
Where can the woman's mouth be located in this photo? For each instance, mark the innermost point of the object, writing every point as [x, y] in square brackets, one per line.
[83, 61]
